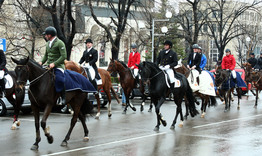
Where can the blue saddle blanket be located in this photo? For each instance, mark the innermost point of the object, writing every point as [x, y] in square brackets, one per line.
[76, 81]
[240, 82]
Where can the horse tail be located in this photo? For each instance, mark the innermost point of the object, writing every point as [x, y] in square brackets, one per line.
[191, 100]
[87, 107]
[213, 101]
[114, 94]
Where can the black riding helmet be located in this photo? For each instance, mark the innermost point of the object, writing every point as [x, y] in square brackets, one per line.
[195, 46]
[167, 42]
[50, 31]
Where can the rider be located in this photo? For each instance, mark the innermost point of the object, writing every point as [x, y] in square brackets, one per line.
[203, 59]
[252, 60]
[259, 63]
[194, 59]
[90, 56]
[134, 58]
[167, 59]
[54, 56]
[229, 63]
[3, 71]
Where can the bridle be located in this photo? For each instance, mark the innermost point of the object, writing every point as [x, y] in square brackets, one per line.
[222, 81]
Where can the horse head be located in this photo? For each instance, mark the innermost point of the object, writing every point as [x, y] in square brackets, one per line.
[221, 76]
[71, 65]
[112, 66]
[22, 71]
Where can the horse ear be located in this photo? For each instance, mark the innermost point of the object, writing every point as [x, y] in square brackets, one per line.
[65, 61]
[14, 60]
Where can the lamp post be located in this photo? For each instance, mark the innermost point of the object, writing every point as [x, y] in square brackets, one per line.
[163, 29]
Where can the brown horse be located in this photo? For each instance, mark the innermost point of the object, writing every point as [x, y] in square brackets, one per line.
[127, 80]
[42, 95]
[17, 101]
[106, 84]
[204, 98]
[253, 77]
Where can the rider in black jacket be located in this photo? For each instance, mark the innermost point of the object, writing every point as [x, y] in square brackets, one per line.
[252, 60]
[259, 63]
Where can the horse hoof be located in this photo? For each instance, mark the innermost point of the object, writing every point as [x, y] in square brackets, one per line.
[34, 147]
[172, 127]
[86, 139]
[64, 143]
[124, 112]
[134, 108]
[97, 117]
[50, 139]
[180, 125]
[109, 115]
[18, 123]
[224, 102]
[13, 126]
[150, 110]
[164, 123]
[156, 129]
[141, 108]
[255, 106]
[238, 108]
[226, 110]
[185, 117]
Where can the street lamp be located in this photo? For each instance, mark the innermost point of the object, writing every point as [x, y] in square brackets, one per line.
[163, 29]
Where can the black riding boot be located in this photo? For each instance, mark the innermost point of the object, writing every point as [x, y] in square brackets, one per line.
[2, 87]
[235, 81]
[172, 87]
[137, 82]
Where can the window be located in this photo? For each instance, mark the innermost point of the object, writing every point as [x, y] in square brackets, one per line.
[213, 51]
[205, 27]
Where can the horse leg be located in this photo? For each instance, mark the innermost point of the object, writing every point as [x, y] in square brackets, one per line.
[181, 114]
[150, 106]
[143, 103]
[174, 121]
[205, 101]
[186, 105]
[37, 126]
[256, 98]
[226, 102]
[202, 108]
[17, 107]
[73, 121]
[98, 105]
[43, 123]
[238, 97]
[158, 114]
[109, 102]
[82, 119]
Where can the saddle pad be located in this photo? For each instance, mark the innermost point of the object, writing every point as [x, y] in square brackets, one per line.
[9, 82]
[99, 82]
[206, 84]
[177, 82]
[192, 80]
[76, 81]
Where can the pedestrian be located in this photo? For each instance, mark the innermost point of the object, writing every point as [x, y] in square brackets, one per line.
[3, 71]
[55, 55]
[90, 57]
[229, 63]
[134, 58]
[252, 60]
[167, 60]
[194, 59]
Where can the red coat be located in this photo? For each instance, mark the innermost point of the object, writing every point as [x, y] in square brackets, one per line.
[228, 62]
[133, 60]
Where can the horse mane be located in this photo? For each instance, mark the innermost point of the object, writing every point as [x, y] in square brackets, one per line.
[153, 65]
[123, 64]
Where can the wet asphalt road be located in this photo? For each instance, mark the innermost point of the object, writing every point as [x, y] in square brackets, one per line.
[234, 133]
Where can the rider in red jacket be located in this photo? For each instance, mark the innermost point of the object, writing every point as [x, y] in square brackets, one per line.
[229, 63]
[134, 58]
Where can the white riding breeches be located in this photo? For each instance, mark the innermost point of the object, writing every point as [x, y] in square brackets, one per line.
[171, 75]
[135, 72]
[91, 71]
[2, 73]
[234, 74]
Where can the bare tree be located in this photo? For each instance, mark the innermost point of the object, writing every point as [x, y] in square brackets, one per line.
[121, 12]
[223, 21]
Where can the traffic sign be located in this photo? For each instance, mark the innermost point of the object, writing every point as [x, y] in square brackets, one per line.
[3, 44]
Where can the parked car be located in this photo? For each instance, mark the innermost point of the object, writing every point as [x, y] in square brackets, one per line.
[6, 105]
[242, 74]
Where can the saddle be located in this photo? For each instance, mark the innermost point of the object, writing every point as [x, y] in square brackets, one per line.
[177, 82]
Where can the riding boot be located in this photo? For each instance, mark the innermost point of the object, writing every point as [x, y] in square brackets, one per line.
[137, 82]
[63, 97]
[2, 87]
[235, 81]
[172, 87]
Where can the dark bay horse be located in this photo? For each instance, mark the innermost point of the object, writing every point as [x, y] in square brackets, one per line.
[254, 77]
[222, 80]
[17, 101]
[154, 78]
[106, 84]
[206, 99]
[127, 81]
[42, 95]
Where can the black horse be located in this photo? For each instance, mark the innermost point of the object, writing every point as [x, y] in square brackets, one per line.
[222, 81]
[154, 80]
[42, 95]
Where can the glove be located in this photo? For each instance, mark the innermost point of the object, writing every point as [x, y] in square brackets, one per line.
[167, 67]
[193, 67]
[188, 67]
[228, 69]
[87, 65]
[162, 67]
[132, 67]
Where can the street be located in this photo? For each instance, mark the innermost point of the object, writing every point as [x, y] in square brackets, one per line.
[234, 133]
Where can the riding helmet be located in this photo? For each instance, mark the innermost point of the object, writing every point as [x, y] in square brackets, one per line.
[228, 50]
[133, 45]
[50, 31]
[167, 42]
[200, 48]
[195, 46]
[88, 41]
[252, 54]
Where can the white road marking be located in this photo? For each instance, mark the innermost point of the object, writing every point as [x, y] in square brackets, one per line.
[21, 119]
[109, 143]
[217, 123]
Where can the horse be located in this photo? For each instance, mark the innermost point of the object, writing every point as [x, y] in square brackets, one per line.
[127, 82]
[253, 77]
[106, 84]
[42, 94]
[222, 81]
[248, 76]
[206, 99]
[17, 101]
[153, 78]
